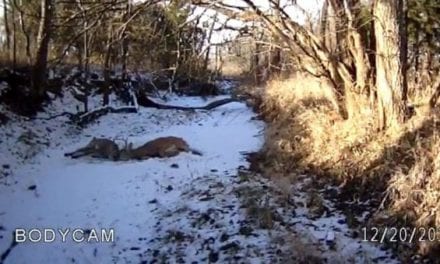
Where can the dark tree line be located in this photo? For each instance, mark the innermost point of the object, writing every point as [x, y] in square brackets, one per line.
[155, 36]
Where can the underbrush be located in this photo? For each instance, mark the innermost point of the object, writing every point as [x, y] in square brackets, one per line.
[397, 170]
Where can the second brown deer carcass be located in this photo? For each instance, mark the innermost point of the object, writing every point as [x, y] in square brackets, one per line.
[162, 147]
[97, 148]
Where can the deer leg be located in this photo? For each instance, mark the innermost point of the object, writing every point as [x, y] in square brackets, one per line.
[80, 153]
[97, 156]
[74, 153]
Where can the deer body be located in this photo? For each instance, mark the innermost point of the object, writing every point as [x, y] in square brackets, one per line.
[160, 147]
[97, 148]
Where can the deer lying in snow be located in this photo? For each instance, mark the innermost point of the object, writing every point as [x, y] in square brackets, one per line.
[97, 148]
[160, 147]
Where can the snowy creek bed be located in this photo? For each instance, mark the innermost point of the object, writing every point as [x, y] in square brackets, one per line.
[184, 209]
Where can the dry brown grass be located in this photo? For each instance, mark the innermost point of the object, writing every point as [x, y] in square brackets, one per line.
[306, 126]
[233, 68]
[400, 166]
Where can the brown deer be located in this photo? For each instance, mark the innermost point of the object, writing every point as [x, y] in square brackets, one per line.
[160, 147]
[97, 148]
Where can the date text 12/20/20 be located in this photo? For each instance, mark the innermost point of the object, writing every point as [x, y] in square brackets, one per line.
[401, 234]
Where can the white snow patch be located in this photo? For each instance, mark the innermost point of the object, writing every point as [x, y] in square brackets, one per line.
[91, 193]
[180, 209]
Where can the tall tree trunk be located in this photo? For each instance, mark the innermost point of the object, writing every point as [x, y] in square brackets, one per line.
[340, 20]
[323, 23]
[427, 62]
[275, 61]
[86, 54]
[125, 42]
[416, 53]
[44, 33]
[331, 38]
[107, 62]
[7, 30]
[125, 45]
[389, 64]
[14, 39]
[357, 47]
[79, 56]
[178, 62]
[256, 61]
[403, 31]
[24, 30]
[371, 48]
[83, 56]
[208, 50]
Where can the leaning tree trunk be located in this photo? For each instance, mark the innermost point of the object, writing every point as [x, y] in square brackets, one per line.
[390, 80]
[40, 65]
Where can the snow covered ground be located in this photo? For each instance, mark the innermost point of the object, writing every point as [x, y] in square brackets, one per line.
[184, 209]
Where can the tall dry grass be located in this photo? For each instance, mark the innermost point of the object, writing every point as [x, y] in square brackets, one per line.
[398, 168]
[233, 68]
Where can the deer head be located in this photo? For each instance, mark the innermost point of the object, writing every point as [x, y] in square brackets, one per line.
[125, 153]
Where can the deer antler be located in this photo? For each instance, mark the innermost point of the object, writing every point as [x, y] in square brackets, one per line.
[123, 139]
[125, 152]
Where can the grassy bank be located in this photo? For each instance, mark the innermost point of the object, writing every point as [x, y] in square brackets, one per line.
[397, 170]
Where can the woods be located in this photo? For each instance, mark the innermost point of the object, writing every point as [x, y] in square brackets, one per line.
[348, 90]
[364, 50]
[152, 36]
[349, 67]
[355, 102]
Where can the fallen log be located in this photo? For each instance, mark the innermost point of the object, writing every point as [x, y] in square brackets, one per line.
[85, 117]
[95, 114]
[82, 118]
[147, 102]
[68, 114]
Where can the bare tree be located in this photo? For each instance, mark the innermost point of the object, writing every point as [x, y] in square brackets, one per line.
[360, 65]
[14, 38]
[26, 33]
[208, 50]
[390, 65]
[107, 64]
[6, 24]
[125, 40]
[44, 32]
